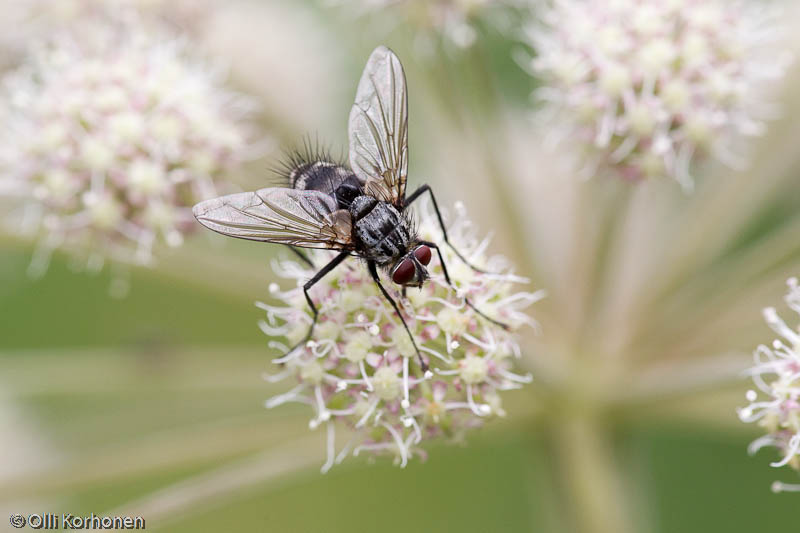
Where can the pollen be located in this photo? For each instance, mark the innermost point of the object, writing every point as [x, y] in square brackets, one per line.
[312, 372]
[452, 321]
[358, 346]
[473, 370]
[387, 385]
[402, 342]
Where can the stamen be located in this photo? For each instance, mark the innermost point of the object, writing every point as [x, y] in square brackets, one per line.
[322, 412]
[369, 412]
[527, 378]
[791, 451]
[436, 354]
[400, 444]
[364, 376]
[271, 331]
[291, 396]
[343, 454]
[274, 378]
[780, 327]
[778, 487]
[289, 356]
[277, 346]
[405, 403]
[480, 410]
[330, 448]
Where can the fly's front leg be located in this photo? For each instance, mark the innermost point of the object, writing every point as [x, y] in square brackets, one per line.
[310, 283]
[449, 282]
[303, 257]
[419, 192]
[373, 270]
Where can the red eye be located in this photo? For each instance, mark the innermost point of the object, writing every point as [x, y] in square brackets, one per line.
[423, 254]
[404, 272]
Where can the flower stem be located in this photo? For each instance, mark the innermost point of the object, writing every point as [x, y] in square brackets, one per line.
[594, 493]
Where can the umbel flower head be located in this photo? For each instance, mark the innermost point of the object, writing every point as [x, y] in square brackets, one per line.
[360, 372]
[26, 20]
[112, 132]
[776, 404]
[649, 86]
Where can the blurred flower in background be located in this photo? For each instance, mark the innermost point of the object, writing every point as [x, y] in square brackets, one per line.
[360, 367]
[776, 374]
[113, 131]
[648, 87]
[27, 21]
[652, 296]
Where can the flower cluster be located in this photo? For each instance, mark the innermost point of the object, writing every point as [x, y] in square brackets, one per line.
[776, 374]
[360, 370]
[647, 87]
[25, 21]
[112, 133]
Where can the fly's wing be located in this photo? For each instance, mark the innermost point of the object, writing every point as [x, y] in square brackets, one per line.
[309, 219]
[378, 128]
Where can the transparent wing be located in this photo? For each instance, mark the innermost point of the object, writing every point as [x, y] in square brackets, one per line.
[309, 219]
[378, 127]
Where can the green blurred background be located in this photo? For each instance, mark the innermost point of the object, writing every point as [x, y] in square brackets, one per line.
[153, 404]
[118, 402]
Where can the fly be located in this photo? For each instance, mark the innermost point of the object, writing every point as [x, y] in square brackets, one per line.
[361, 210]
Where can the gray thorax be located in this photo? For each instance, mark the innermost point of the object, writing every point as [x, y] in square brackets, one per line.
[380, 229]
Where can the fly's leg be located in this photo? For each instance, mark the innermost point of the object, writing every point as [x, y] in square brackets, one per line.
[449, 282]
[303, 257]
[310, 283]
[373, 270]
[419, 192]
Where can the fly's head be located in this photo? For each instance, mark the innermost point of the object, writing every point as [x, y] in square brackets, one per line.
[409, 270]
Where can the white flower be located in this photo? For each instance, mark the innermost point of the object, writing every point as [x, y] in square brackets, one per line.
[113, 132]
[24, 21]
[360, 369]
[777, 376]
[644, 87]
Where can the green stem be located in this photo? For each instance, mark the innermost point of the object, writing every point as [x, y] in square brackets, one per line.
[594, 491]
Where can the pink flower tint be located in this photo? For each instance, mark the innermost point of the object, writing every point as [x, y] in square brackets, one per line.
[113, 132]
[360, 372]
[645, 88]
[775, 406]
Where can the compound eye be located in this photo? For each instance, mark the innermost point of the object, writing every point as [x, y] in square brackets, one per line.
[404, 272]
[423, 254]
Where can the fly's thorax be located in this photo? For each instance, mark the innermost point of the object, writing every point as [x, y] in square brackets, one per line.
[380, 230]
[361, 206]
